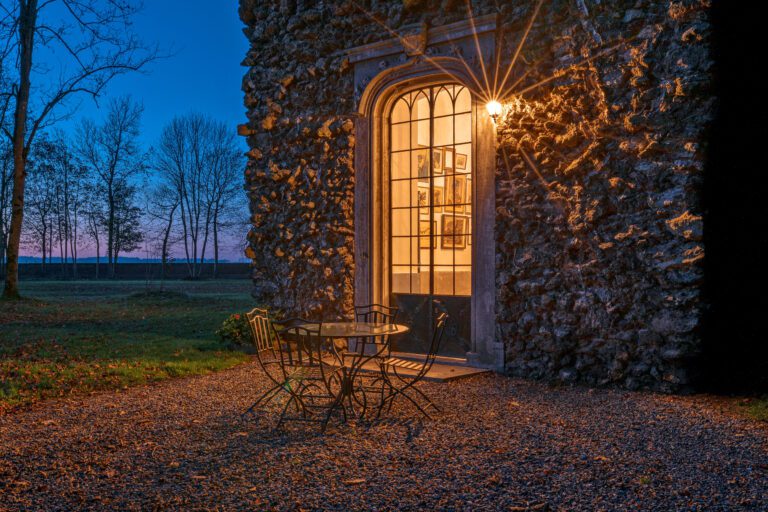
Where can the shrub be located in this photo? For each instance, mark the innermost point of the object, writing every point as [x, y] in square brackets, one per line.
[235, 330]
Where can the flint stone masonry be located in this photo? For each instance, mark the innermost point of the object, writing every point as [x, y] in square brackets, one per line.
[598, 223]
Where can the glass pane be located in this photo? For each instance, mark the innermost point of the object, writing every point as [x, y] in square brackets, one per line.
[438, 195]
[401, 224]
[443, 131]
[442, 255]
[463, 281]
[401, 251]
[463, 100]
[420, 164]
[443, 280]
[463, 162]
[443, 102]
[416, 280]
[401, 192]
[420, 134]
[420, 107]
[456, 193]
[463, 128]
[462, 252]
[401, 136]
[423, 280]
[401, 112]
[401, 165]
[401, 279]
[454, 229]
[415, 255]
[426, 240]
[421, 199]
[449, 160]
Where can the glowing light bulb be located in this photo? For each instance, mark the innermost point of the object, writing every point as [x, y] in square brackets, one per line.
[494, 110]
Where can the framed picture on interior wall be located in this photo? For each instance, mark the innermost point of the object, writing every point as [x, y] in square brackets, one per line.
[422, 166]
[425, 235]
[448, 160]
[422, 200]
[437, 199]
[454, 230]
[437, 161]
[455, 193]
[461, 161]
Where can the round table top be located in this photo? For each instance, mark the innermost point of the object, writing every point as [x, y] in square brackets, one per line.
[360, 329]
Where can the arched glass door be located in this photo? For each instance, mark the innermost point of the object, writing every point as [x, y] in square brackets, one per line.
[430, 158]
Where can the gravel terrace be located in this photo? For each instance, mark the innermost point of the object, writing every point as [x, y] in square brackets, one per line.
[500, 444]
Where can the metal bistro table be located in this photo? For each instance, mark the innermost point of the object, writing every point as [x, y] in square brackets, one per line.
[364, 331]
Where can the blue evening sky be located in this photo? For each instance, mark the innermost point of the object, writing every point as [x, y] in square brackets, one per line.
[202, 75]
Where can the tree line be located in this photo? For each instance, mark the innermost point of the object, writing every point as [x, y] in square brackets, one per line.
[99, 191]
[99, 188]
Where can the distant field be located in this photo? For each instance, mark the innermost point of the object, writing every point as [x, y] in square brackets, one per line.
[79, 336]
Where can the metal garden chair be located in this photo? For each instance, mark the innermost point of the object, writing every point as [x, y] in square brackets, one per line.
[267, 354]
[368, 348]
[400, 376]
[315, 373]
[371, 313]
[289, 359]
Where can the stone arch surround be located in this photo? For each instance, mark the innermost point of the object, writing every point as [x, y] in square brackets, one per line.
[371, 222]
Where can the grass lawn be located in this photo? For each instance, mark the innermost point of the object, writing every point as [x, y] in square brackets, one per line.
[757, 408]
[70, 337]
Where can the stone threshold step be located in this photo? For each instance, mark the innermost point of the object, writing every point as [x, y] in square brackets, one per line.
[445, 369]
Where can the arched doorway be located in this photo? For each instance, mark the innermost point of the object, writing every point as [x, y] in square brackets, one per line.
[430, 212]
[465, 284]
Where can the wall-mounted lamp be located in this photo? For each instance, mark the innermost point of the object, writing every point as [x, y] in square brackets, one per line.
[494, 110]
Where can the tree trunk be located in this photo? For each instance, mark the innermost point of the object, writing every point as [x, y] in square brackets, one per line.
[98, 257]
[50, 243]
[44, 245]
[3, 243]
[27, 24]
[111, 234]
[216, 244]
[73, 243]
[166, 237]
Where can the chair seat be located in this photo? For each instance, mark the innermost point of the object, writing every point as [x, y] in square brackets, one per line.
[403, 363]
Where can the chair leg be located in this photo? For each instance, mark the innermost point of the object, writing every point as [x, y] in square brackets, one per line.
[336, 403]
[271, 393]
[285, 409]
[416, 404]
[404, 391]
[426, 399]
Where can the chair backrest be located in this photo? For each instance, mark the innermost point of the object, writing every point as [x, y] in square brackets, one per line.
[376, 313]
[267, 344]
[299, 343]
[437, 338]
[258, 320]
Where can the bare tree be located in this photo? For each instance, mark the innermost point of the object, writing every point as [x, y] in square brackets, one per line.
[93, 216]
[96, 37]
[74, 201]
[199, 161]
[112, 153]
[162, 206]
[6, 180]
[126, 221]
[224, 167]
[41, 195]
[6, 168]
